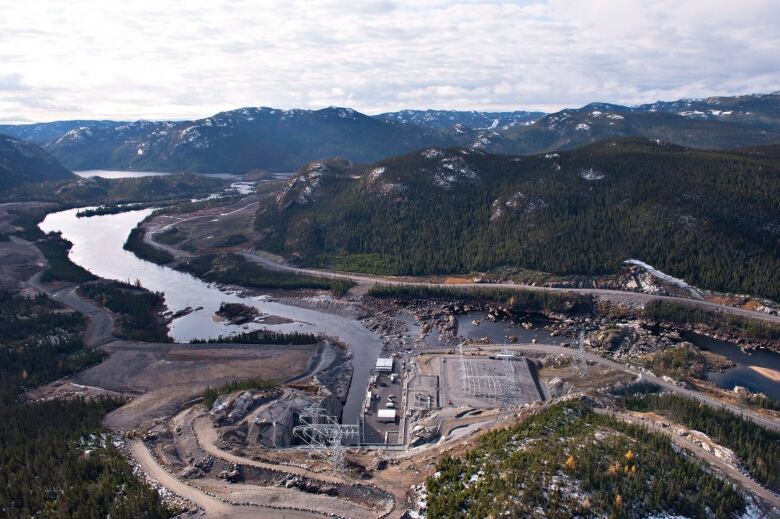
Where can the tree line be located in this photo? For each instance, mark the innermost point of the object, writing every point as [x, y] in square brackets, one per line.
[55, 460]
[757, 447]
[566, 461]
[711, 218]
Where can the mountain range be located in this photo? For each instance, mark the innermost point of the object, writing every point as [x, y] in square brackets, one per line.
[585, 211]
[443, 119]
[714, 123]
[22, 162]
[251, 139]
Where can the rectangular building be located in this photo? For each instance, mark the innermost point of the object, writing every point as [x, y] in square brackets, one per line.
[384, 365]
[386, 415]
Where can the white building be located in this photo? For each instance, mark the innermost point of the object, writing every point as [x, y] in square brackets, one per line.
[384, 365]
[386, 415]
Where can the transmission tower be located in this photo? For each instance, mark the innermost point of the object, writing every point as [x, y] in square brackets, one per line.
[325, 435]
[510, 378]
[579, 365]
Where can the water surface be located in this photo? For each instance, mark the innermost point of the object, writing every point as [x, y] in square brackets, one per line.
[97, 246]
[113, 174]
[744, 373]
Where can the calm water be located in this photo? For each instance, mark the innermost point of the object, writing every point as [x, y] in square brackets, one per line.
[744, 373]
[97, 246]
[498, 332]
[111, 173]
[104, 173]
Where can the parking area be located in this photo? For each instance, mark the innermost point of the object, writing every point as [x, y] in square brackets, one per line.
[383, 408]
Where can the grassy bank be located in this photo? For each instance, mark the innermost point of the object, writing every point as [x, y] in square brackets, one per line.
[262, 337]
[60, 268]
[135, 243]
[237, 270]
[139, 310]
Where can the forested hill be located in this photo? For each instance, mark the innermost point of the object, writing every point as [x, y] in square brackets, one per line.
[23, 162]
[712, 218]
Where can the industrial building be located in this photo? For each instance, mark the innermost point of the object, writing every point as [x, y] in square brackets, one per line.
[384, 365]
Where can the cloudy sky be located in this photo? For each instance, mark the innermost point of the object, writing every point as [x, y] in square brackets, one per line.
[162, 59]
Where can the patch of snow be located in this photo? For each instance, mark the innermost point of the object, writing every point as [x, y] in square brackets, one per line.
[692, 113]
[582, 127]
[432, 153]
[719, 113]
[518, 202]
[346, 113]
[591, 174]
[375, 173]
[665, 277]
[481, 142]
[453, 170]
[306, 183]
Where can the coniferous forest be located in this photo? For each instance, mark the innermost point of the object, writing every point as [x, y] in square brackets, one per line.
[55, 460]
[568, 461]
[758, 448]
[709, 217]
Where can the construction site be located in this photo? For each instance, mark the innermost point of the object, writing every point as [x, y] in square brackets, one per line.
[354, 423]
[289, 445]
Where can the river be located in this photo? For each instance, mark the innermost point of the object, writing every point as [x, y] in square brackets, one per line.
[97, 246]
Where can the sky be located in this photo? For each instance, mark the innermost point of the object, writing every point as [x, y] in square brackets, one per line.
[160, 59]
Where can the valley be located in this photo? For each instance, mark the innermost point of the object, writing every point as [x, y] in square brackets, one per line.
[453, 259]
[168, 431]
[351, 340]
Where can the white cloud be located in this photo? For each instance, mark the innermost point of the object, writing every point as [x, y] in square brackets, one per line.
[171, 59]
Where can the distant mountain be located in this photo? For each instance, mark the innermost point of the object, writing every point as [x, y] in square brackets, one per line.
[442, 119]
[712, 218]
[243, 140]
[22, 162]
[713, 123]
[41, 133]
[759, 110]
[250, 139]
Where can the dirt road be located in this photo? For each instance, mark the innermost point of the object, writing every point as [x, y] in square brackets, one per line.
[100, 321]
[213, 507]
[615, 296]
[206, 435]
[731, 472]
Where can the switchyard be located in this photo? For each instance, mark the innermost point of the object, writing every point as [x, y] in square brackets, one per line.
[482, 381]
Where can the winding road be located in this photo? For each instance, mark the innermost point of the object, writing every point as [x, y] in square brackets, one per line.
[730, 471]
[615, 296]
[213, 507]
